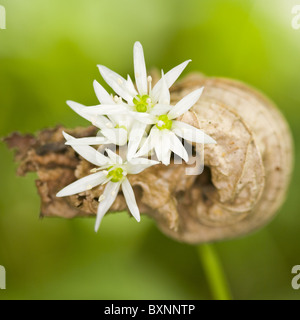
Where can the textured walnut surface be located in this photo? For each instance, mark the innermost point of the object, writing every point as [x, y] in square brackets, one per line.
[244, 182]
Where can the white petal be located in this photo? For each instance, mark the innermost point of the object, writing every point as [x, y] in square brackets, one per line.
[121, 136]
[94, 114]
[130, 86]
[103, 123]
[116, 82]
[165, 147]
[125, 120]
[117, 136]
[115, 158]
[105, 110]
[165, 156]
[79, 109]
[160, 109]
[137, 165]
[140, 68]
[113, 135]
[109, 133]
[168, 156]
[90, 141]
[177, 147]
[158, 146]
[103, 96]
[185, 104]
[191, 133]
[130, 199]
[164, 97]
[170, 77]
[135, 137]
[88, 153]
[162, 146]
[109, 196]
[143, 117]
[150, 142]
[83, 184]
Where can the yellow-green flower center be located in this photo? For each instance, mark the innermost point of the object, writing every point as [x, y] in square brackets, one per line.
[163, 122]
[141, 102]
[115, 175]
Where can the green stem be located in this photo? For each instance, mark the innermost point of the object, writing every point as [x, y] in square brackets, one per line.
[214, 272]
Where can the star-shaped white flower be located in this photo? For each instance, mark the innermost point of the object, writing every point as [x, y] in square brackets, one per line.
[163, 135]
[111, 169]
[142, 104]
[111, 118]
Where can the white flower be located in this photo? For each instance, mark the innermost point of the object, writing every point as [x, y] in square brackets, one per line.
[143, 103]
[114, 124]
[163, 135]
[111, 169]
[135, 112]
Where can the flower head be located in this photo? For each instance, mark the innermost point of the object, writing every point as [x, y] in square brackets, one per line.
[111, 170]
[126, 117]
[163, 135]
[140, 116]
[142, 100]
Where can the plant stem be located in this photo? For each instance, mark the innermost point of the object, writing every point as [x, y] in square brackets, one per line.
[214, 272]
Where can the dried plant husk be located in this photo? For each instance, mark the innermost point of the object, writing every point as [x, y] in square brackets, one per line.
[244, 182]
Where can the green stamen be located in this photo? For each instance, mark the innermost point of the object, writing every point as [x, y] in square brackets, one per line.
[141, 107]
[141, 104]
[116, 174]
[164, 122]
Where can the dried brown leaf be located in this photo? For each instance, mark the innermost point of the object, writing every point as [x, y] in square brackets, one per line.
[244, 182]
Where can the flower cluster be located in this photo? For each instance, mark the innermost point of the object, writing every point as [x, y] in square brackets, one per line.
[140, 118]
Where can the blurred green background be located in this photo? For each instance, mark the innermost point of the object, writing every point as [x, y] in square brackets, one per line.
[48, 54]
